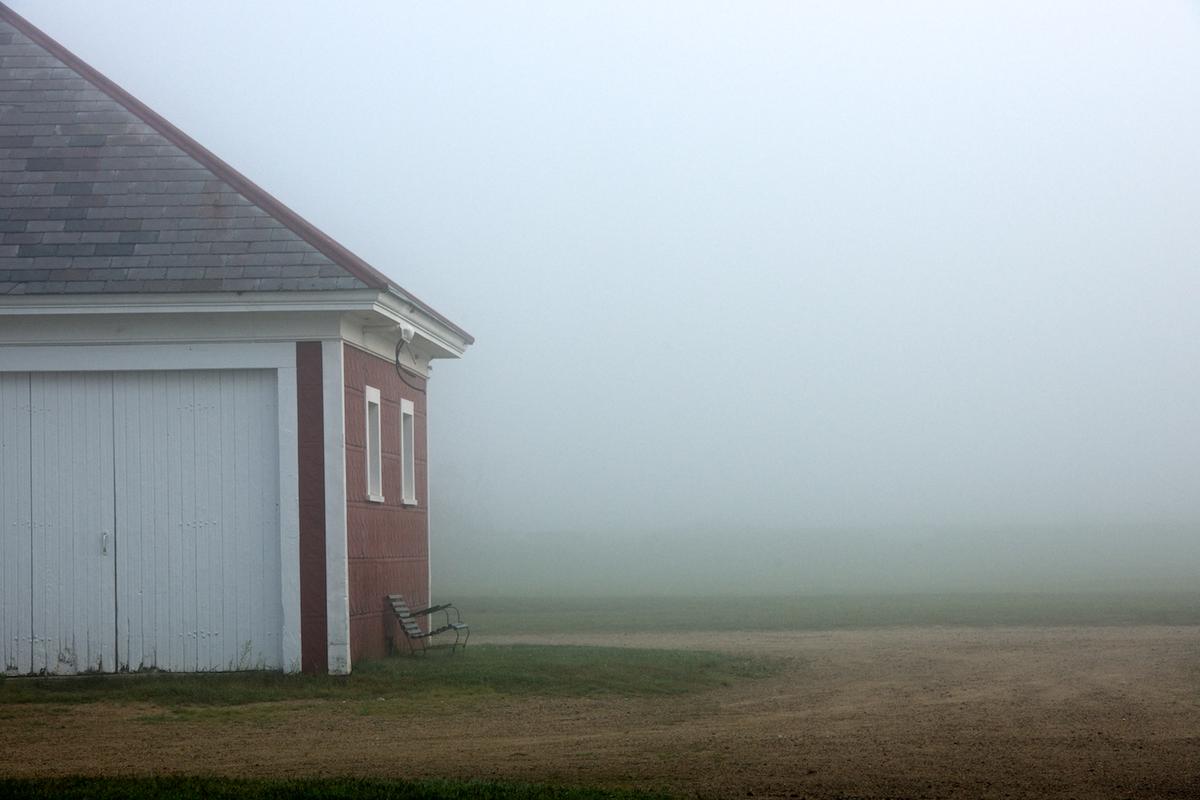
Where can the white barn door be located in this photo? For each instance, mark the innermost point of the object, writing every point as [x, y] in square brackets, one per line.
[139, 521]
[16, 527]
[198, 557]
[74, 540]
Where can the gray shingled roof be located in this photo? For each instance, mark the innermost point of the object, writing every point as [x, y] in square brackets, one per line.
[97, 198]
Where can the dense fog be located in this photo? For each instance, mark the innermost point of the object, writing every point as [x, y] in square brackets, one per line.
[738, 561]
[768, 297]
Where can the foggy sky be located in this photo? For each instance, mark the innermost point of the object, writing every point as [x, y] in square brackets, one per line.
[737, 270]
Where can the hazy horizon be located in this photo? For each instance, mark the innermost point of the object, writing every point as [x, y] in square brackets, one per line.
[1119, 560]
[922, 276]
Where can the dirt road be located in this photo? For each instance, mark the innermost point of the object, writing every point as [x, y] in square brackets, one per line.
[919, 712]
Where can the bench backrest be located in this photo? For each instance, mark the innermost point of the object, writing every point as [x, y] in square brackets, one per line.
[407, 623]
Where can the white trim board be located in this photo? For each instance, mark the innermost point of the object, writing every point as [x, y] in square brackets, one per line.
[373, 443]
[132, 357]
[225, 302]
[289, 515]
[408, 452]
[441, 340]
[367, 330]
[187, 302]
[198, 328]
[337, 578]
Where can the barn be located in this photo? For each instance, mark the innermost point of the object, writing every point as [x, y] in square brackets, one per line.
[212, 415]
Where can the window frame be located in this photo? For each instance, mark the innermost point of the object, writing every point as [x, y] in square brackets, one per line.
[373, 445]
[408, 453]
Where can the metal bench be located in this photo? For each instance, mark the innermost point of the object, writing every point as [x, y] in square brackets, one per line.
[412, 631]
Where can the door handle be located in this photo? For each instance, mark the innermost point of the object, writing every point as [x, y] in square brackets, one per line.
[104, 542]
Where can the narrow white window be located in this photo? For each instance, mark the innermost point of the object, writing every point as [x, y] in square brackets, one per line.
[408, 453]
[374, 454]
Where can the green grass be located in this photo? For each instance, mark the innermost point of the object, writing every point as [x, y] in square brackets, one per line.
[828, 612]
[480, 670]
[179, 788]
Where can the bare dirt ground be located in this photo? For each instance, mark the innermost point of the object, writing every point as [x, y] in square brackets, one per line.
[897, 713]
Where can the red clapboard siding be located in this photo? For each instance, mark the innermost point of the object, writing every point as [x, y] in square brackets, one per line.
[387, 543]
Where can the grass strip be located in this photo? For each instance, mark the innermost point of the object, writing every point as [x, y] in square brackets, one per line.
[486, 669]
[189, 788]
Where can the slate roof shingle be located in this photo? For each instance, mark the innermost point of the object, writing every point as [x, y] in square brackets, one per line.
[100, 194]
[95, 199]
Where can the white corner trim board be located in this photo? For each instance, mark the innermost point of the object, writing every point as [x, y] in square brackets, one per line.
[289, 515]
[337, 578]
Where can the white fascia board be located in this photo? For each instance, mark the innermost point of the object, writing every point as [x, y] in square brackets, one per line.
[310, 315]
[181, 303]
[159, 328]
[116, 358]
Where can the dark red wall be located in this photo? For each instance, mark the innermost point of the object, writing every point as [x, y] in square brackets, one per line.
[387, 543]
[310, 431]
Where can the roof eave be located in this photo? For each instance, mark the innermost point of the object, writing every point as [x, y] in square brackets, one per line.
[446, 340]
[449, 340]
[15, 305]
[321, 241]
[431, 312]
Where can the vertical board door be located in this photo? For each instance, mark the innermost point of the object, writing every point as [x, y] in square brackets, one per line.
[74, 542]
[197, 488]
[16, 527]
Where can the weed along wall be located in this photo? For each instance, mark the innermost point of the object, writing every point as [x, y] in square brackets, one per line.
[387, 533]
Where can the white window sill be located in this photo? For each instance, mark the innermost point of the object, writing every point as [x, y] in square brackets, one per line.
[375, 498]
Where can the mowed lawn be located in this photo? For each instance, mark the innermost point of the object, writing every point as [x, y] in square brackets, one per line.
[478, 672]
[567, 721]
[403, 690]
